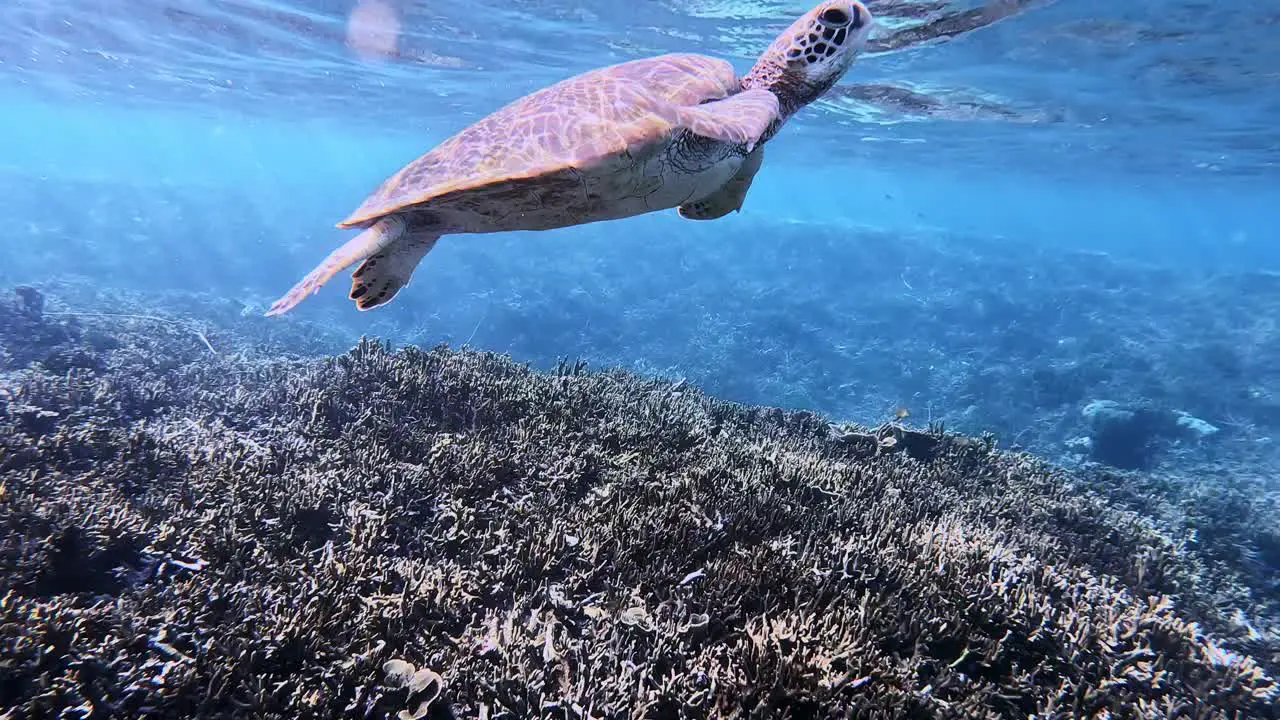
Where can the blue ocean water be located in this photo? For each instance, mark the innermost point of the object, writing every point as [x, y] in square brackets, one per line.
[1055, 223]
[1003, 213]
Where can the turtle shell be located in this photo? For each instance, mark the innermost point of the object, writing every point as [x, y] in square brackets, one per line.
[574, 125]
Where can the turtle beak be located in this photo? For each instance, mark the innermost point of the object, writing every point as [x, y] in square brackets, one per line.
[860, 22]
[844, 25]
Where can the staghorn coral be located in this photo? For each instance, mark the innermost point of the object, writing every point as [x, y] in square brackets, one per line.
[424, 533]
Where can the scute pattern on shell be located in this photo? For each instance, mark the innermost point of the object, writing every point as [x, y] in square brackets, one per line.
[573, 124]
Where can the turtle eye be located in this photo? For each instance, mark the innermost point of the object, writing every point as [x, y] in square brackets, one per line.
[835, 16]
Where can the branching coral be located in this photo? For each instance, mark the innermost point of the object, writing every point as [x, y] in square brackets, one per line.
[390, 534]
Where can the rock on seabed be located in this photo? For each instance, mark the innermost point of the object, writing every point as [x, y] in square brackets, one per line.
[437, 533]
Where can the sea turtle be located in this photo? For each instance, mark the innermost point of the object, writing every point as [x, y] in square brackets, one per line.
[675, 131]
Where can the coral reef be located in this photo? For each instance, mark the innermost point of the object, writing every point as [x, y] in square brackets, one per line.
[1132, 438]
[433, 533]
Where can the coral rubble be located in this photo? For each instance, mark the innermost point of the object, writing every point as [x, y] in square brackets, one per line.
[425, 533]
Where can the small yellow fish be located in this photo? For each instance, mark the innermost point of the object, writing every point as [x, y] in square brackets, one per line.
[902, 413]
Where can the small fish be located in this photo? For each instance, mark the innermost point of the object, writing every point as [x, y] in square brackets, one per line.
[902, 413]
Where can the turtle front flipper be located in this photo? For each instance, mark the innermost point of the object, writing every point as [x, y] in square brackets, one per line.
[728, 198]
[741, 119]
[384, 273]
[375, 238]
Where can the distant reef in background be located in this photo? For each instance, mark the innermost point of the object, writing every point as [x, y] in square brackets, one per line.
[199, 522]
[1017, 334]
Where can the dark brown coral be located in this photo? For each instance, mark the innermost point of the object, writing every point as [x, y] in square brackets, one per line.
[395, 534]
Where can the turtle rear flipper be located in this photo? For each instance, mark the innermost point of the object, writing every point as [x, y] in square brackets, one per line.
[728, 198]
[384, 273]
[375, 238]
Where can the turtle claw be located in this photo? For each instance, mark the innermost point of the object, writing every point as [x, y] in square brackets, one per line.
[374, 239]
[382, 275]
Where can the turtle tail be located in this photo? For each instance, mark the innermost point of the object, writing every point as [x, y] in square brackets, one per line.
[384, 273]
[374, 239]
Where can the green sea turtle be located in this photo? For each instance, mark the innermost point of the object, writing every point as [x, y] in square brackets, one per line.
[674, 131]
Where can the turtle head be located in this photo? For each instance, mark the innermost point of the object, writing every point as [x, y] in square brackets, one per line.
[811, 56]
